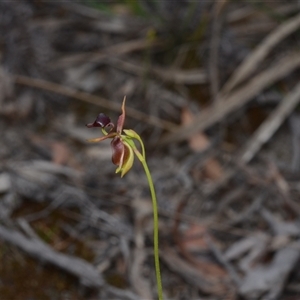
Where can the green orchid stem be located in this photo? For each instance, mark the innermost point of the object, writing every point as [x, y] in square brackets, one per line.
[155, 219]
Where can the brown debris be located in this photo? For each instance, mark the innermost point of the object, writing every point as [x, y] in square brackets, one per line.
[212, 88]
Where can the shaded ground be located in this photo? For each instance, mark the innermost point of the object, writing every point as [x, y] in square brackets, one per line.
[212, 88]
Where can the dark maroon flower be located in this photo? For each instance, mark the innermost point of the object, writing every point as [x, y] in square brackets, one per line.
[101, 121]
[123, 155]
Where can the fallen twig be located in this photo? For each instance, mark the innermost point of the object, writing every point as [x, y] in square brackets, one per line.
[270, 278]
[271, 124]
[215, 113]
[214, 47]
[194, 76]
[86, 273]
[255, 58]
[111, 51]
[208, 284]
[96, 100]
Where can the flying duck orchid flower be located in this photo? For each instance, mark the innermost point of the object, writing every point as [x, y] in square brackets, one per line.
[124, 148]
[122, 145]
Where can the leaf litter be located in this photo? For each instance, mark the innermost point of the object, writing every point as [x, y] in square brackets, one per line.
[228, 193]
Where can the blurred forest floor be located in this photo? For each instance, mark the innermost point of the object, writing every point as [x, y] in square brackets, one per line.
[213, 89]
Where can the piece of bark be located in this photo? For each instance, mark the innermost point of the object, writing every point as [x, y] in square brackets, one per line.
[84, 271]
[268, 128]
[237, 99]
[270, 278]
[207, 283]
[5, 183]
[279, 227]
[139, 282]
[256, 57]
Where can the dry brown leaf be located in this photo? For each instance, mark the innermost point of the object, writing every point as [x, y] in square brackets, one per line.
[193, 239]
[199, 141]
[267, 129]
[213, 169]
[209, 282]
[236, 100]
[251, 62]
[210, 268]
[60, 153]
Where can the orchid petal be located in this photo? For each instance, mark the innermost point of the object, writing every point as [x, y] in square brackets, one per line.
[133, 135]
[118, 152]
[128, 159]
[121, 119]
[97, 140]
[101, 121]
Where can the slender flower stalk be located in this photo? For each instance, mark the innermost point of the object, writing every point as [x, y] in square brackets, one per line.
[155, 217]
[124, 148]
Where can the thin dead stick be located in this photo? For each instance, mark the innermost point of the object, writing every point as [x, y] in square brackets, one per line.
[177, 76]
[83, 10]
[261, 51]
[266, 130]
[38, 249]
[114, 50]
[191, 274]
[271, 124]
[214, 47]
[215, 113]
[96, 100]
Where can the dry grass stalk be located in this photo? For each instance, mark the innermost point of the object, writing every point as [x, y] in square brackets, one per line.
[262, 50]
[236, 100]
